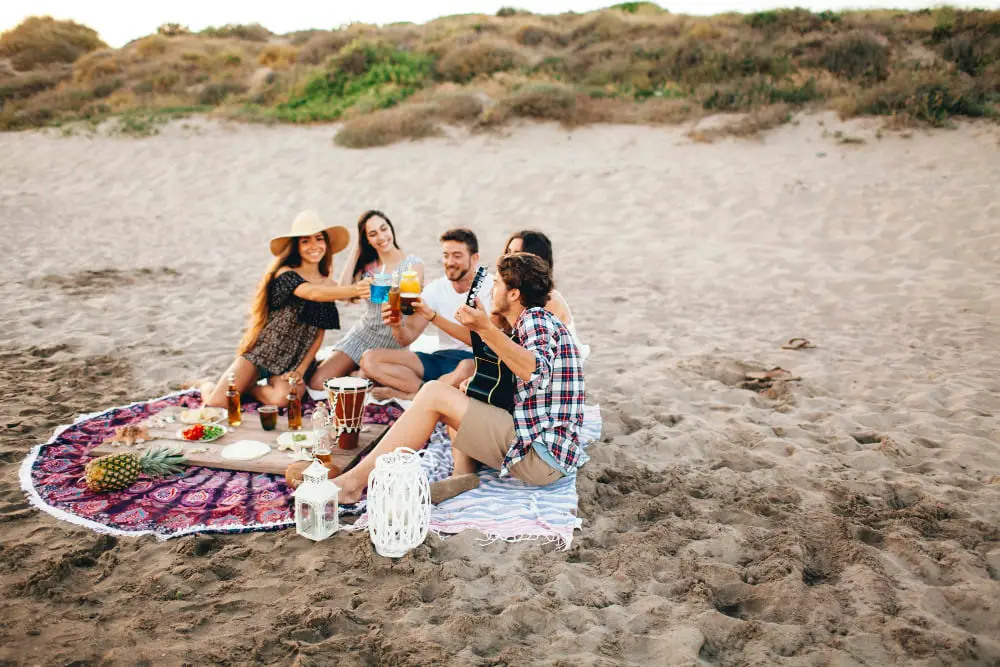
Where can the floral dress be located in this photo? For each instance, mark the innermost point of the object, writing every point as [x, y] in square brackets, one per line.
[371, 332]
[291, 328]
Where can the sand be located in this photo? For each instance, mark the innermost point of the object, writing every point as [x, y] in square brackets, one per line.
[848, 518]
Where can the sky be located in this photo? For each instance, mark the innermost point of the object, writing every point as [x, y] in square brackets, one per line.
[119, 21]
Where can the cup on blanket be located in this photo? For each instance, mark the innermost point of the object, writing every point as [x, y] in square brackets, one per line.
[380, 288]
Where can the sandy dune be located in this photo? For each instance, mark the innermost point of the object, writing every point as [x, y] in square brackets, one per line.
[848, 518]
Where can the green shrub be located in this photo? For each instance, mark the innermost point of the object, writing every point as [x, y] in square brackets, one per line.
[971, 55]
[795, 20]
[757, 92]
[39, 41]
[173, 30]
[932, 97]
[505, 12]
[857, 56]
[364, 71]
[253, 32]
[638, 8]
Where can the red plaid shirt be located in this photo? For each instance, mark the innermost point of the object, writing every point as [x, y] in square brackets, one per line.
[548, 408]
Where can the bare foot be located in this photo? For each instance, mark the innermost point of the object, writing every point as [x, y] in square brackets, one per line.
[453, 486]
[197, 383]
[385, 393]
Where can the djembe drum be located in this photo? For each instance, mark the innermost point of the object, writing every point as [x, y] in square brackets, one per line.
[348, 396]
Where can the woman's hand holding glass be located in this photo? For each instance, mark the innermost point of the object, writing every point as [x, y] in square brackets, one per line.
[363, 288]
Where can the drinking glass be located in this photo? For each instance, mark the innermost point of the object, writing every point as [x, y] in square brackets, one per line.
[380, 288]
[268, 417]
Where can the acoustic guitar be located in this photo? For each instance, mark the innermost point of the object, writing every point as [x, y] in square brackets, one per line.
[493, 382]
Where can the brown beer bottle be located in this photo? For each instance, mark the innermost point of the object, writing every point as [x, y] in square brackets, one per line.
[294, 406]
[233, 408]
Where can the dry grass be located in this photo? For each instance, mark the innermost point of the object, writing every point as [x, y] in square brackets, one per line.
[751, 125]
[481, 57]
[631, 63]
[41, 41]
[388, 126]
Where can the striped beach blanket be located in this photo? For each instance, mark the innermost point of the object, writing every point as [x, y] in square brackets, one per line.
[505, 509]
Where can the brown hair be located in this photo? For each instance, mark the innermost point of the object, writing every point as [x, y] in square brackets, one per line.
[259, 309]
[462, 235]
[530, 274]
[366, 252]
[534, 242]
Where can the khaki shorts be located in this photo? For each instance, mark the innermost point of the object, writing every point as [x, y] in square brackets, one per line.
[485, 435]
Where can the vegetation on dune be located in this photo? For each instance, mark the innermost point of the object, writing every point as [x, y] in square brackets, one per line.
[632, 63]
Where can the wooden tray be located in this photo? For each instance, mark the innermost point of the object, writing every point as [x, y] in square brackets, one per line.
[275, 462]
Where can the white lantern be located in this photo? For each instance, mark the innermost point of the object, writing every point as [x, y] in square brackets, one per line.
[316, 504]
[399, 503]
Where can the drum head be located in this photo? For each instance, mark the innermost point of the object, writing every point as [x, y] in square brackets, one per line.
[347, 384]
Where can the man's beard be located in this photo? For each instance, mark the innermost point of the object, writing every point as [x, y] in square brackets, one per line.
[463, 272]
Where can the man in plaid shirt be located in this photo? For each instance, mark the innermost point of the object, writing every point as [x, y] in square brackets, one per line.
[537, 444]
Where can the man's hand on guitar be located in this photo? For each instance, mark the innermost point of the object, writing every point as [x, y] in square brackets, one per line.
[476, 319]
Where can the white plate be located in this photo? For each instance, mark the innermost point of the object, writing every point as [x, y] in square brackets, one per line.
[180, 434]
[285, 440]
[245, 450]
[203, 415]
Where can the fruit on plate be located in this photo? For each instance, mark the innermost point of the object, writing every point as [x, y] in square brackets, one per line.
[202, 432]
[115, 472]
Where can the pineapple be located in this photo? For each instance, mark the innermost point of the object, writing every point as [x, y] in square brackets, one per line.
[115, 472]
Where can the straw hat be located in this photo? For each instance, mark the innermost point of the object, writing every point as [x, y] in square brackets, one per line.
[308, 223]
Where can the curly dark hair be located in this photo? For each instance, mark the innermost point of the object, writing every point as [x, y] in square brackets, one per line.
[528, 273]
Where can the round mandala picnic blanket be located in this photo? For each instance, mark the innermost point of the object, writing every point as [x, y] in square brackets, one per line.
[196, 500]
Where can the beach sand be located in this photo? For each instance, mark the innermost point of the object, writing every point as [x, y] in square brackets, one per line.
[848, 518]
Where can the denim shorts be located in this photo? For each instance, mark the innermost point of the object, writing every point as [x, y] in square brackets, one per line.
[441, 362]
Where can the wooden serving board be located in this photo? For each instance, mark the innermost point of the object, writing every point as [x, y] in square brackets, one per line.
[274, 462]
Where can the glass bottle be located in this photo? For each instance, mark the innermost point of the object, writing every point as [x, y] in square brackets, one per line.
[294, 405]
[233, 409]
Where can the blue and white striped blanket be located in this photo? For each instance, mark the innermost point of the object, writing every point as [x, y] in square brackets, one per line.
[505, 509]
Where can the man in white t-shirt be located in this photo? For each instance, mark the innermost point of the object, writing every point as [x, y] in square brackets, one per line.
[401, 372]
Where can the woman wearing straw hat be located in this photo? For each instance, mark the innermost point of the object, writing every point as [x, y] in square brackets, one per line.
[377, 250]
[293, 307]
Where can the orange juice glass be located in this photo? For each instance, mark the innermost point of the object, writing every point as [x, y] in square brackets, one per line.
[409, 290]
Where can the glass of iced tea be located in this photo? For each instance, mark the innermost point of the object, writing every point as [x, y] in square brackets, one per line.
[394, 305]
[409, 291]
[268, 417]
[323, 454]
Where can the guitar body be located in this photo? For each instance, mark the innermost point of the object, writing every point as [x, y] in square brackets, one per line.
[493, 382]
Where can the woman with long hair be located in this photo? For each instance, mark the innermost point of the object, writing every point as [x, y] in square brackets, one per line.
[291, 310]
[377, 251]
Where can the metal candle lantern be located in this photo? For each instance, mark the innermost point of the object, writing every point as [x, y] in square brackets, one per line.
[399, 503]
[316, 504]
